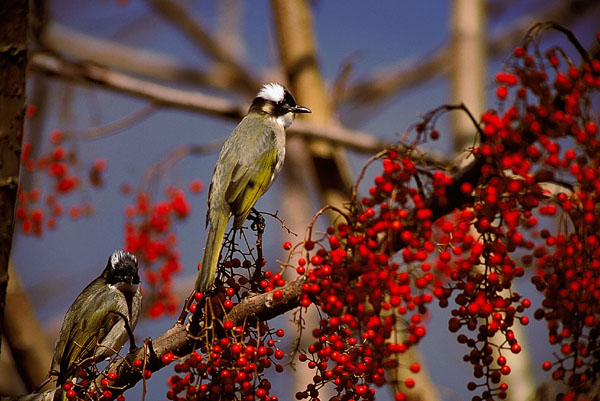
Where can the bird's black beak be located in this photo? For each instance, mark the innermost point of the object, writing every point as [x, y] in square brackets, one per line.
[300, 109]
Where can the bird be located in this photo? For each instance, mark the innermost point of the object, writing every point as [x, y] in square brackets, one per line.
[249, 161]
[101, 319]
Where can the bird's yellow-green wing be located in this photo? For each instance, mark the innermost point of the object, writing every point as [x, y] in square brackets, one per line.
[248, 183]
[90, 323]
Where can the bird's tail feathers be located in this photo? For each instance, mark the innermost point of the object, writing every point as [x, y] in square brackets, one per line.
[212, 249]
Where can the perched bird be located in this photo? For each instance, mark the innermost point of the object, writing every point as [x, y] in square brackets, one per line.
[101, 319]
[249, 161]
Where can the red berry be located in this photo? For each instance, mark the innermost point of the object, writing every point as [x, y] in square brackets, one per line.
[167, 358]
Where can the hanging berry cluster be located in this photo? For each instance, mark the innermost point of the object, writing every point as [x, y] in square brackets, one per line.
[91, 384]
[40, 207]
[528, 199]
[375, 298]
[533, 205]
[231, 367]
[234, 359]
[566, 257]
[537, 197]
[150, 236]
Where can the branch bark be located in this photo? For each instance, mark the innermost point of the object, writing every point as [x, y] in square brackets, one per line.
[13, 64]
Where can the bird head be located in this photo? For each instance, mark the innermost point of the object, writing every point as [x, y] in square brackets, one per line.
[276, 101]
[122, 271]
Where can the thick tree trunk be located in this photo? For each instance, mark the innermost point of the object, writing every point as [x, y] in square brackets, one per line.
[13, 63]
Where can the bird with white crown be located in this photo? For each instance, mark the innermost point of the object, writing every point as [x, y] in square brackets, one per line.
[249, 161]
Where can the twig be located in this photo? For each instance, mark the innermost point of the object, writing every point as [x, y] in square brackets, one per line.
[258, 225]
[115, 127]
[281, 221]
[535, 31]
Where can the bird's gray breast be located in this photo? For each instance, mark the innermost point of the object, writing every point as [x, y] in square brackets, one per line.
[129, 305]
[253, 135]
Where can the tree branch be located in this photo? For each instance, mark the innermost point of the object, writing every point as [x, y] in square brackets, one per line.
[13, 65]
[164, 96]
[178, 341]
[145, 63]
[181, 18]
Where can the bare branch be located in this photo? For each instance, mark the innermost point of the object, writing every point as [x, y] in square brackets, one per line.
[182, 19]
[114, 127]
[164, 96]
[24, 334]
[359, 141]
[146, 63]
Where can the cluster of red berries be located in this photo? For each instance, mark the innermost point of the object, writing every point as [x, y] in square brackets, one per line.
[150, 236]
[88, 387]
[559, 127]
[234, 360]
[475, 259]
[375, 298]
[229, 369]
[233, 364]
[370, 292]
[547, 135]
[63, 169]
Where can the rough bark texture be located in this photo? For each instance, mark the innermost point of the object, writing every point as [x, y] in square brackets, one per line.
[13, 63]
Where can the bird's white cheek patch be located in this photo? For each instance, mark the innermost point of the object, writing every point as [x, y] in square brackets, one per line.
[285, 120]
